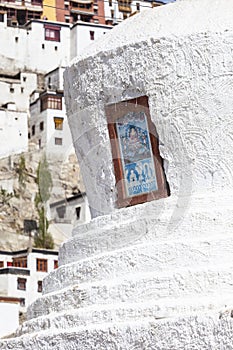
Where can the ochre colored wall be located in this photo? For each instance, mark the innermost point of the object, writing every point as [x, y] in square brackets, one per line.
[49, 9]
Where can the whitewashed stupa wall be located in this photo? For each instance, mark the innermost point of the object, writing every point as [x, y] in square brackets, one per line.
[187, 76]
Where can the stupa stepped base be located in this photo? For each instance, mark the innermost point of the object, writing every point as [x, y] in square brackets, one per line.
[173, 219]
[159, 280]
[170, 255]
[205, 332]
[138, 288]
[121, 312]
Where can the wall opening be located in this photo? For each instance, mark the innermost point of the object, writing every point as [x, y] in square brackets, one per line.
[138, 166]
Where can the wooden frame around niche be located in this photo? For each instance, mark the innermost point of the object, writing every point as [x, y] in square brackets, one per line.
[135, 109]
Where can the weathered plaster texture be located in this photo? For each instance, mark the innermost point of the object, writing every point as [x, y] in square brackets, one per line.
[158, 275]
[186, 71]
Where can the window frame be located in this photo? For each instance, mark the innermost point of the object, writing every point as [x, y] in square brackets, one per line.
[113, 113]
[58, 123]
[41, 265]
[52, 33]
[21, 283]
[20, 262]
[51, 102]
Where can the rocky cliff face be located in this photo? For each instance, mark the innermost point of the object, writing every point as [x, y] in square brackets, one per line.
[17, 199]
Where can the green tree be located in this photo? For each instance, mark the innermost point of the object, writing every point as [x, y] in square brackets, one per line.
[43, 239]
[22, 172]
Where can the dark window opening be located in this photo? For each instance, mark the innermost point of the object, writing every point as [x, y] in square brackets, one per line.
[16, 39]
[41, 126]
[1, 263]
[21, 283]
[55, 264]
[39, 286]
[42, 46]
[33, 130]
[58, 141]
[12, 90]
[61, 211]
[22, 302]
[138, 6]
[1, 17]
[78, 211]
[92, 35]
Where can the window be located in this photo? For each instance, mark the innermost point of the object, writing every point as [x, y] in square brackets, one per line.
[41, 126]
[112, 13]
[58, 141]
[33, 130]
[51, 102]
[12, 90]
[110, 2]
[22, 90]
[78, 210]
[52, 32]
[39, 143]
[21, 283]
[1, 263]
[24, 79]
[22, 302]
[16, 39]
[92, 35]
[39, 286]
[61, 211]
[20, 262]
[42, 265]
[55, 48]
[1, 17]
[138, 6]
[136, 159]
[42, 46]
[36, 2]
[55, 264]
[58, 123]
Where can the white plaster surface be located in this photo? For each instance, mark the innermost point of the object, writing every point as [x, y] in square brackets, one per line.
[158, 275]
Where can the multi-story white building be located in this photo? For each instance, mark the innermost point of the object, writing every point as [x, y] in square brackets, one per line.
[48, 126]
[83, 34]
[21, 276]
[39, 46]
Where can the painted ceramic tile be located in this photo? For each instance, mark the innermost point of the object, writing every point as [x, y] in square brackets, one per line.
[136, 154]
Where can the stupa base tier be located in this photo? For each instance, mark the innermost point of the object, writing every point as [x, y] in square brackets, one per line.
[165, 308]
[183, 333]
[176, 219]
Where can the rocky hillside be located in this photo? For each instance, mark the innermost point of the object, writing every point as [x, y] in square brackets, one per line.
[18, 189]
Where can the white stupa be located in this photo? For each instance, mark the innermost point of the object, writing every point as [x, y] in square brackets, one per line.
[156, 275]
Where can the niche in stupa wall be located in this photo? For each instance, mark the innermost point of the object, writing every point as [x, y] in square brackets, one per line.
[138, 166]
